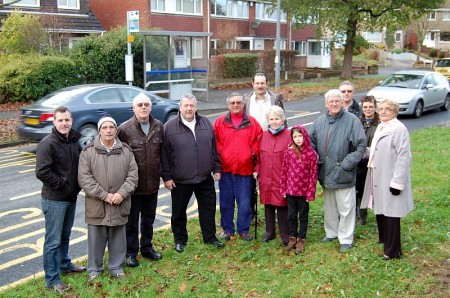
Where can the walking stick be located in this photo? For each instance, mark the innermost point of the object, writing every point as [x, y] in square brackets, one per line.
[256, 208]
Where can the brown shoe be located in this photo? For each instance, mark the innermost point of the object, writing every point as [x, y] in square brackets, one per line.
[300, 246]
[291, 244]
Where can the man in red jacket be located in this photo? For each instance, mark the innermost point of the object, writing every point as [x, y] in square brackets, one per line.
[237, 136]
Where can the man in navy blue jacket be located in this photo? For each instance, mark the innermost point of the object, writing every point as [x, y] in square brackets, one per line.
[189, 156]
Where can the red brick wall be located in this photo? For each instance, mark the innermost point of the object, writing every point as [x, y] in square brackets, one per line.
[270, 29]
[303, 34]
[241, 26]
[177, 22]
[113, 13]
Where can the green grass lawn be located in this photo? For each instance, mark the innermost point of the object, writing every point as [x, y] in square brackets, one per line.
[257, 269]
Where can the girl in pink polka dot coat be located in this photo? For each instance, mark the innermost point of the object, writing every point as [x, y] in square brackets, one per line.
[298, 185]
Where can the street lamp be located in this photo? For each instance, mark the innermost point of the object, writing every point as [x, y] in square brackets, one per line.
[277, 46]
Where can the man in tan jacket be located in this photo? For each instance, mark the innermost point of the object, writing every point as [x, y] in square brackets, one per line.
[108, 174]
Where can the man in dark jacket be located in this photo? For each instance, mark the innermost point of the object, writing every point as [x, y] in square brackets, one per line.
[189, 155]
[57, 167]
[144, 135]
[339, 140]
[348, 92]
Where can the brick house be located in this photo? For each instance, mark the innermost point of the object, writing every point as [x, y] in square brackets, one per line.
[235, 24]
[65, 20]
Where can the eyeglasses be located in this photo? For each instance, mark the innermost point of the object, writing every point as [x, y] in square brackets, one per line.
[238, 103]
[346, 91]
[385, 109]
[145, 104]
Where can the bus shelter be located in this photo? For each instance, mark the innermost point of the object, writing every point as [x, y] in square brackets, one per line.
[176, 63]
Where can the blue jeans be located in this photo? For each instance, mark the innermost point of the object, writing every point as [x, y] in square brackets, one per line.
[59, 217]
[235, 187]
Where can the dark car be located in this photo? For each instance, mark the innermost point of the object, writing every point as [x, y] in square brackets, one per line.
[88, 103]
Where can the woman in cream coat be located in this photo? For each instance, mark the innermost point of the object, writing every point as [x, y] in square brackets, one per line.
[388, 183]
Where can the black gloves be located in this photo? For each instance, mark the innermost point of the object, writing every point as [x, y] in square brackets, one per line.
[394, 191]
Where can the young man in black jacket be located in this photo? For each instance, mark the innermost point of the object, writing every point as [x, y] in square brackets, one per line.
[57, 167]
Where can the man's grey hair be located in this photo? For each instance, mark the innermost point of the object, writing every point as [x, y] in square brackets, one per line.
[347, 83]
[141, 96]
[188, 96]
[333, 93]
[233, 95]
[277, 110]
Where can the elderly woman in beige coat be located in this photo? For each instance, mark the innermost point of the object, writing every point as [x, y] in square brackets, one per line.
[388, 183]
[108, 174]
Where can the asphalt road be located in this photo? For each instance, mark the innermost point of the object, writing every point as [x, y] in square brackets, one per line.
[22, 221]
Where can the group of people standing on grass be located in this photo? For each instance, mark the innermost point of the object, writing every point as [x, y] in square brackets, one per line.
[247, 148]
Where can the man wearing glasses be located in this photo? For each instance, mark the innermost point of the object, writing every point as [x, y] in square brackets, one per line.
[144, 134]
[237, 136]
[339, 140]
[348, 91]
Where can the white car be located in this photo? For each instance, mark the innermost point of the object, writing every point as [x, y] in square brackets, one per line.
[415, 91]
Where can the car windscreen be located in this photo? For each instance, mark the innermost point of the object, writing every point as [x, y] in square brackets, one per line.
[410, 81]
[443, 63]
[59, 98]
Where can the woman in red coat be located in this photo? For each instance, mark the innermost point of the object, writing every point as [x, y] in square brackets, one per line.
[273, 144]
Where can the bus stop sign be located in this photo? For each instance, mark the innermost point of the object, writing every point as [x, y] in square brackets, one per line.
[133, 21]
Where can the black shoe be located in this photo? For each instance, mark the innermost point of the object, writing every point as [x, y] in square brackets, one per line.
[267, 239]
[74, 269]
[152, 255]
[218, 244]
[131, 261]
[179, 247]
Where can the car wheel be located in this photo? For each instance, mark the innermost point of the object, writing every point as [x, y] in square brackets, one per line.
[171, 115]
[88, 132]
[418, 110]
[446, 104]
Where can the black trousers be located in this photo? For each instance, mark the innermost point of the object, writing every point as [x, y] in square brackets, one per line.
[144, 207]
[389, 234]
[283, 226]
[298, 209]
[205, 194]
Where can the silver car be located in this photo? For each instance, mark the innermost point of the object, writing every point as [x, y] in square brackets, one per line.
[415, 91]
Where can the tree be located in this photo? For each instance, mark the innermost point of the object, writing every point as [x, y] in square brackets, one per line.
[21, 33]
[342, 20]
[226, 34]
[100, 59]
[421, 27]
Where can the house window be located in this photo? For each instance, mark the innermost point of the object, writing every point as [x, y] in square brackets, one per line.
[314, 48]
[372, 36]
[398, 37]
[432, 16]
[158, 5]
[444, 36]
[265, 11]
[197, 48]
[213, 44]
[446, 16]
[229, 8]
[177, 6]
[299, 46]
[431, 36]
[35, 3]
[70, 4]
[189, 6]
